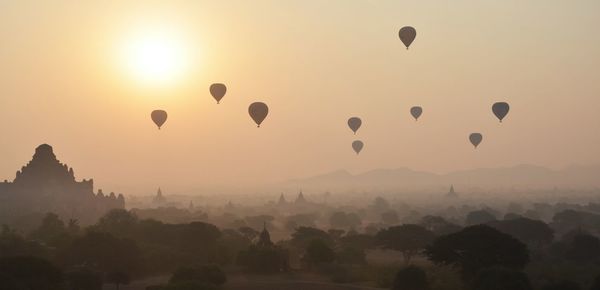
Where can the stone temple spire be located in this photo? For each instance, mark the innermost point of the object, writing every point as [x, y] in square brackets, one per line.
[159, 198]
[264, 240]
[300, 198]
[451, 192]
[282, 200]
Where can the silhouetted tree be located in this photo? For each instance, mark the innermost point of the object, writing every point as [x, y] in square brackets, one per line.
[263, 259]
[108, 253]
[584, 248]
[495, 278]
[230, 244]
[248, 232]
[438, 225]
[29, 273]
[512, 216]
[82, 278]
[479, 217]
[318, 252]
[409, 239]
[118, 278]
[12, 244]
[351, 256]
[52, 231]
[380, 204]
[304, 235]
[344, 220]
[411, 278]
[477, 247]
[390, 217]
[119, 222]
[596, 283]
[533, 232]
[209, 274]
[297, 220]
[358, 241]
[562, 285]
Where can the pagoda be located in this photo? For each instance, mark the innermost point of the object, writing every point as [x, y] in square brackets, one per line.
[47, 185]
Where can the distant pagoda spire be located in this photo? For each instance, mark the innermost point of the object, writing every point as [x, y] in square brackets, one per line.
[451, 192]
[264, 240]
[159, 198]
[282, 200]
[300, 198]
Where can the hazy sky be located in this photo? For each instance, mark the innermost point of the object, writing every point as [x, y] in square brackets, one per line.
[65, 80]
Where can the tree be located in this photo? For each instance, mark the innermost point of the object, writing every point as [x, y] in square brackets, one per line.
[380, 204]
[304, 235]
[584, 248]
[562, 285]
[501, 278]
[477, 217]
[263, 259]
[248, 232]
[12, 244]
[411, 278]
[118, 278]
[477, 247]
[390, 217]
[82, 278]
[52, 231]
[184, 286]
[528, 231]
[230, 244]
[108, 253]
[118, 222]
[409, 239]
[318, 252]
[351, 256]
[438, 225]
[358, 241]
[208, 274]
[29, 273]
[344, 220]
[305, 220]
[596, 283]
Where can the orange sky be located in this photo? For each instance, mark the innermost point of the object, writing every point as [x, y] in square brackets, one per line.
[315, 63]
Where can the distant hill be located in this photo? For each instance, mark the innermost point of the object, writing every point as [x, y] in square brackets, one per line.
[521, 176]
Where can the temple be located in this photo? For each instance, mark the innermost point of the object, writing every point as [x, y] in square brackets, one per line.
[451, 193]
[46, 185]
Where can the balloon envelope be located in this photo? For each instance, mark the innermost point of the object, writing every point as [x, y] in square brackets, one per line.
[475, 139]
[416, 112]
[407, 35]
[218, 91]
[159, 117]
[500, 109]
[354, 124]
[357, 146]
[258, 112]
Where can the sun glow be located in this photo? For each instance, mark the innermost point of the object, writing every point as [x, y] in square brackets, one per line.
[156, 57]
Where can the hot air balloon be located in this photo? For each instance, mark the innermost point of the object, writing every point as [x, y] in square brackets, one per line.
[500, 109]
[218, 90]
[354, 124]
[416, 112]
[159, 117]
[407, 35]
[475, 139]
[258, 112]
[357, 146]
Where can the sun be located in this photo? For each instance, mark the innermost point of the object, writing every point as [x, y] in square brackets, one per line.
[155, 57]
